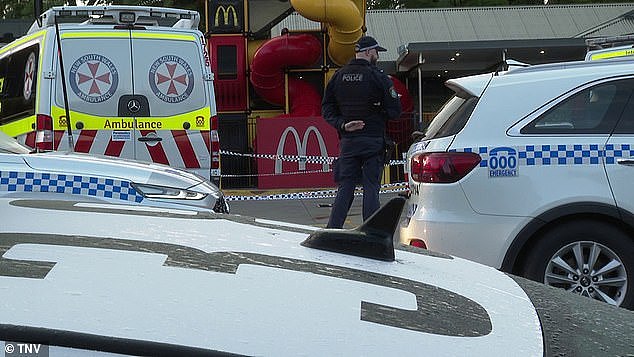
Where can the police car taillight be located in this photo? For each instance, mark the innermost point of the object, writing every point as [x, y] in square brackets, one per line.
[418, 243]
[44, 133]
[442, 167]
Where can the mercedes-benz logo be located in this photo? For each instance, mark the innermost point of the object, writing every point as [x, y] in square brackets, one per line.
[134, 105]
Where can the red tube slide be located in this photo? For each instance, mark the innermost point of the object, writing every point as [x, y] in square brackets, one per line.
[407, 103]
[268, 66]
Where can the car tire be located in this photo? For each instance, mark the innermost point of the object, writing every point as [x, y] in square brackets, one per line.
[563, 257]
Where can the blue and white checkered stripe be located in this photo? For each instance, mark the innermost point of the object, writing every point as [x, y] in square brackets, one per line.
[575, 154]
[14, 181]
[615, 152]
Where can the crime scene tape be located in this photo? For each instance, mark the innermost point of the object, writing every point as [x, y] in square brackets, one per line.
[385, 188]
[297, 158]
[280, 174]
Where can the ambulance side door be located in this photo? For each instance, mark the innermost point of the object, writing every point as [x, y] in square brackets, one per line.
[18, 82]
[98, 67]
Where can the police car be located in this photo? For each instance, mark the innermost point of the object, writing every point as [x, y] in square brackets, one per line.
[123, 81]
[530, 171]
[217, 285]
[104, 180]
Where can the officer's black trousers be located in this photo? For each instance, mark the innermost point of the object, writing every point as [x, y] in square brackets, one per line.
[360, 161]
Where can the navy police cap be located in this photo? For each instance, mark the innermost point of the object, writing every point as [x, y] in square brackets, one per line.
[367, 43]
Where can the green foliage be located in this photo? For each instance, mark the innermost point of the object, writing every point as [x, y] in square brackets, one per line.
[416, 4]
[383, 4]
[17, 9]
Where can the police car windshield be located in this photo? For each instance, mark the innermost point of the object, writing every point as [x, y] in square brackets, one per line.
[451, 118]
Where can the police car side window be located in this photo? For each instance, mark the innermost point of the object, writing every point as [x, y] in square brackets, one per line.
[459, 118]
[594, 110]
[18, 77]
[451, 118]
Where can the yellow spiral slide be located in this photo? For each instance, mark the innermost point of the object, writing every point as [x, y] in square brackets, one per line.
[345, 20]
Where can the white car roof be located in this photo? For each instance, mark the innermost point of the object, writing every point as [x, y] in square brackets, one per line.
[471, 85]
[233, 285]
[599, 68]
[476, 84]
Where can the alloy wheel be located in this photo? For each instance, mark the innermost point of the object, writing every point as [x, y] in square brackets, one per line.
[589, 269]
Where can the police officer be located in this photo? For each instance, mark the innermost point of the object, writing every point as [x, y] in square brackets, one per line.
[358, 101]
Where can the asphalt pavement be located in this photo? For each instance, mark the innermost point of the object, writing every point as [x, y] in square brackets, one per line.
[308, 211]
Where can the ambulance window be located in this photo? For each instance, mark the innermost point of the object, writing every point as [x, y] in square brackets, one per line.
[227, 62]
[594, 110]
[169, 75]
[18, 77]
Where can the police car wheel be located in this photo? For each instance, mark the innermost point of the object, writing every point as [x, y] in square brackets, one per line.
[589, 258]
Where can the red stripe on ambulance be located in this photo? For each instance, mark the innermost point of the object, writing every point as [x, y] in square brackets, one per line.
[114, 148]
[156, 152]
[57, 138]
[30, 139]
[85, 140]
[206, 138]
[186, 149]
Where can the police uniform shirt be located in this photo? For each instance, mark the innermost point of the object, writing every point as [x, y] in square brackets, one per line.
[359, 91]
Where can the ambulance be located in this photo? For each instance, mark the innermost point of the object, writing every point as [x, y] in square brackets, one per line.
[122, 81]
[610, 47]
[613, 52]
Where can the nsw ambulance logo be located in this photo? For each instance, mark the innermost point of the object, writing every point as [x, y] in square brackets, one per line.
[29, 70]
[171, 79]
[94, 78]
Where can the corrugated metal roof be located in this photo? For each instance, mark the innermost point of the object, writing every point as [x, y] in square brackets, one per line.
[295, 22]
[621, 27]
[393, 28]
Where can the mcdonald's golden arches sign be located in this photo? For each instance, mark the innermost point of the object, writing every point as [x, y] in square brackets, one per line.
[226, 16]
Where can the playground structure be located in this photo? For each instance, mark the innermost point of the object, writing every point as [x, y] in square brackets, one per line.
[269, 88]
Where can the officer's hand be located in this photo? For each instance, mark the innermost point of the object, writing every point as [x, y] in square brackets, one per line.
[354, 125]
